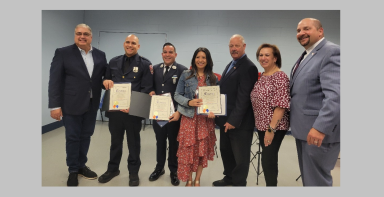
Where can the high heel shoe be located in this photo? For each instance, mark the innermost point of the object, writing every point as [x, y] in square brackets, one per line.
[188, 184]
[197, 183]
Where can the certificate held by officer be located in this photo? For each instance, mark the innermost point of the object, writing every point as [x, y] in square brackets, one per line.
[120, 96]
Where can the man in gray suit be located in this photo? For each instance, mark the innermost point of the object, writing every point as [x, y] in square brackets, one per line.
[315, 104]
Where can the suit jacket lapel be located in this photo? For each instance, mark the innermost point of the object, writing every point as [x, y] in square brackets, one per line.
[95, 61]
[236, 66]
[224, 75]
[306, 60]
[80, 59]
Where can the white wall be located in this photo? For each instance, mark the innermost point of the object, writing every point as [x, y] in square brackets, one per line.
[189, 29]
[58, 28]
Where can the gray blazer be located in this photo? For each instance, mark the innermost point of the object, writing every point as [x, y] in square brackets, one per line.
[315, 94]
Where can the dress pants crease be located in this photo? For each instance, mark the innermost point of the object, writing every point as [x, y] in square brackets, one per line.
[170, 131]
[78, 132]
[119, 124]
[319, 162]
[235, 159]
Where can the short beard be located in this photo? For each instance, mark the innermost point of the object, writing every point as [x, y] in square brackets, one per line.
[305, 44]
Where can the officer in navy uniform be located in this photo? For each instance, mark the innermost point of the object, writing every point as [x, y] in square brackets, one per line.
[135, 69]
[165, 78]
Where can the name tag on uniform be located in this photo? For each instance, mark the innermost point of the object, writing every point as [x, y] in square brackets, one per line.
[174, 77]
[135, 69]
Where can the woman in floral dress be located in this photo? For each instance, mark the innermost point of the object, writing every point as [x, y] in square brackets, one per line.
[197, 132]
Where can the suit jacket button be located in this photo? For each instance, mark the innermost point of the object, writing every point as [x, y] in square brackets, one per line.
[162, 84]
[123, 77]
[162, 91]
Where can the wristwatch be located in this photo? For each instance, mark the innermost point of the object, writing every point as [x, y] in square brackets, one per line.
[270, 129]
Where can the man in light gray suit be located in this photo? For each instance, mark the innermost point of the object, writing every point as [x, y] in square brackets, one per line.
[315, 104]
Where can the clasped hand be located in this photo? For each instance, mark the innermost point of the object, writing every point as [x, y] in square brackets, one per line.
[108, 84]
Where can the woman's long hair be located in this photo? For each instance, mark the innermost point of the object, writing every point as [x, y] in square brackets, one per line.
[208, 68]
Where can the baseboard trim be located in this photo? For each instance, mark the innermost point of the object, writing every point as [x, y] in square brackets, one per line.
[51, 126]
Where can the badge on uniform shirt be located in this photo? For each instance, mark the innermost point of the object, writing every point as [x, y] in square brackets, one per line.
[135, 69]
[173, 67]
[151, 69]
[174, 77]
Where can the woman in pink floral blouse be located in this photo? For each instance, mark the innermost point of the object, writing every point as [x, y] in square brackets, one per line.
[270, 102]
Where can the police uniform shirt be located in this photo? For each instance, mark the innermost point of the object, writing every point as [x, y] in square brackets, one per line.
[138, 72]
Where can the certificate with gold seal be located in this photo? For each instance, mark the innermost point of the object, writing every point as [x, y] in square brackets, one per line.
[211, 99]
[160, 107]
[120, 96]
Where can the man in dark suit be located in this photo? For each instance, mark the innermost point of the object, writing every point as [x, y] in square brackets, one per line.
[315, 104]
[165, 78]
[74, 94]
[135, 69]
[236, 129]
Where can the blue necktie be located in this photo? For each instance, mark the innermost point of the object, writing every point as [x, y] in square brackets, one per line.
[230, 67]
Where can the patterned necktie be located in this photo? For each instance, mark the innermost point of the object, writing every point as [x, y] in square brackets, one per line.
[166, 71]
[298, 62]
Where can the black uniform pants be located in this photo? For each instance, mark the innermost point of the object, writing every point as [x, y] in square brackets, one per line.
[270, 156]
[235, 149]
[170, 131]
[120, 123]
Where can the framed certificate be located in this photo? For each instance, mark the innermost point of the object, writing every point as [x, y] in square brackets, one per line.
[211, 99]
[120, 96]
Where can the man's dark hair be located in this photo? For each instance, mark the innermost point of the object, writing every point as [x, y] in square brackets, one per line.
[169, 44]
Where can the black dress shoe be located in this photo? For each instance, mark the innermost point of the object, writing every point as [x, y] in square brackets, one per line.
[87, 173]
[174, 180]
[221, 182]
[156, 174]
[134, 180]
[107, 176]
[72, 179]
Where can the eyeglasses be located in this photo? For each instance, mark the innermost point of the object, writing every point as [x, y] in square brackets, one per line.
[85, 34]
[236, 46]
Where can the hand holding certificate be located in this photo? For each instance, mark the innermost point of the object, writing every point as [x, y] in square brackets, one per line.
[211, 99]
[120, 96]
[160, 107]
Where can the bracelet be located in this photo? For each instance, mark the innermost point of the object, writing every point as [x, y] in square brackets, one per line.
[274, 130]
[188, 103]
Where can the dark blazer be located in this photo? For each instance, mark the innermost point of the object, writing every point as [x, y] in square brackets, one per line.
[141, 79]
[315, 94]
[69, 82]
[167, 85]
[237, 85]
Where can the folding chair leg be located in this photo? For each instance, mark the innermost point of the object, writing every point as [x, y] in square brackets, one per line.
[101, 114]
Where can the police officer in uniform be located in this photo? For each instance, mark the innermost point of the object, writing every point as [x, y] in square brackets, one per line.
[165, 78]
[135, 69]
